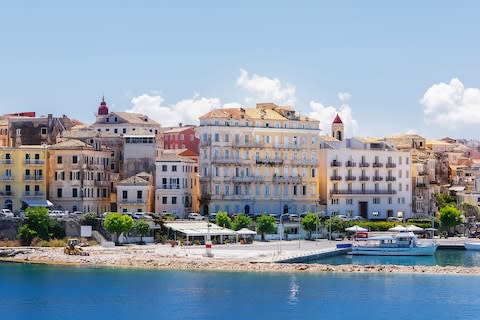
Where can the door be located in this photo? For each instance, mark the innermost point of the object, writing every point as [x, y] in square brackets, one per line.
[363, 208]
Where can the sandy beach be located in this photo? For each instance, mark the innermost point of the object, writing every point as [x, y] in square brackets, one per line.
[257, 257]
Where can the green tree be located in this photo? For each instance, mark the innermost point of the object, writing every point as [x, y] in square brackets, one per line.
[223, 220]
[336, 224]
[141, 228]
[26, 235]
[90, 219]
[241, 221]
[310, 223]
[450, 216]
[470, 210]
[39, 221]
[444, 199]
[55, 229]
[117, 224]
[265, 224]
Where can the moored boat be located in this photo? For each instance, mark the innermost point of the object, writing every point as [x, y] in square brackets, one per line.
[472, 245]
[400, 244]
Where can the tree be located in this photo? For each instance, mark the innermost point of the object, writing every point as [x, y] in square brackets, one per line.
[450, 216]
[310, 223]
[26, 235]
[241, 221]
[55, 229]
[336, 224]
[39, 221]
[265, 224]
[117, 224]
[470, 209]
[90, 219]
[223, 220]
[141, 228]
[444, 199]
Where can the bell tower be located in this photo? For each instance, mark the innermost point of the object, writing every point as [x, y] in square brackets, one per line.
[338, 128]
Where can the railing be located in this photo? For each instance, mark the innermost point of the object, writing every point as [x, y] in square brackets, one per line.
[6, 193]
[360, 192]
[169, 186]
[421, 185]
[101, 183]
[227, 161]
[6, 178]
[34, 161]
[247, 179]
[363, 178]
[422, 173]
[6, 161]
[132, 201]
[305, 162]
[350, 178]
[33, 194]
[283, 179]
[248, 145]
[335, 178]
[377, 165]
[350, 164]
[335, 163]
[391, 165]
[32, 177]
[390, 178]
[269, 161]
[364, 164]
[377, 178]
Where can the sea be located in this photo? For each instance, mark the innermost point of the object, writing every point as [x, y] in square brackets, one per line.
[55, 292]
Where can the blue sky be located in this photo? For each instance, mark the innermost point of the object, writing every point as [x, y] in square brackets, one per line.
[177, 59]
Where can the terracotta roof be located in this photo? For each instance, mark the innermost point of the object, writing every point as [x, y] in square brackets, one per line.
[71, 144]
[87, 133]
[337, 119]
[178, 129]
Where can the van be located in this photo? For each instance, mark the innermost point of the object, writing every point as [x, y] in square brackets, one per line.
[7, 213]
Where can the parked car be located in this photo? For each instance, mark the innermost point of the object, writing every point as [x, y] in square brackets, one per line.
[195, 216]
[358, 218]
[168, 216]
[141, 215]
[344, 217]
[394, 219]
[56, 213]
[7, 213]
[294, 217]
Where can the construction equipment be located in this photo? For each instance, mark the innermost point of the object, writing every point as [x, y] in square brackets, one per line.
[73, 248]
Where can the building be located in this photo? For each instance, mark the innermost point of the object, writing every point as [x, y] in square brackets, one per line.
[136, 193]
[183, 137]
[22, 177]
[79, 176]
[177, 186]
[139, 152]
[4, 137]
[123, 122]
[364, 177]
[258, 160]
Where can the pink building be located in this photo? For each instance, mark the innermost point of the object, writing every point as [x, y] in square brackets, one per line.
[183, 137]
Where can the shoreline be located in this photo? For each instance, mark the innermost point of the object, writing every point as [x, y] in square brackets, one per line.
[148, 259]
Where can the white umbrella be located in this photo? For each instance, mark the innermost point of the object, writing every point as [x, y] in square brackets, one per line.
[246, 231]
[398, 229]
[356, 228]
[414, 228]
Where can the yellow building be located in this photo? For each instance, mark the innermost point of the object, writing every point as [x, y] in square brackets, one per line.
[23, 177]
[136, 193]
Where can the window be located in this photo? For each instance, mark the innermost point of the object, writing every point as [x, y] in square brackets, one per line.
[139, 194]
[124, 194]
[44, 130]
[164, 200]
[334, 201]
[164, 168]
[349, 201]
[124, 130]
[217, 137]
[376, 200]
[174, 168]
[59, 192]
[74, 192]
[74, 159]
[59, 160]
[174, 200]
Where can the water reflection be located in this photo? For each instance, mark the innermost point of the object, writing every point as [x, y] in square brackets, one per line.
[294, 291]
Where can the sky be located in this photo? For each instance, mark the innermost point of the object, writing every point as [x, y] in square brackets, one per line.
[386, 67]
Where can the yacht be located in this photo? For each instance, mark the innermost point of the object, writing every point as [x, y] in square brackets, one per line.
[399, 244]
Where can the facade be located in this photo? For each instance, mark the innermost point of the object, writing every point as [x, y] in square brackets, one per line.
[4, 138]
[364, 177]
[177, 185]
[139, 151]
[22, 177]
[258, 160]
[183, 137]
[136, 194]
[79, 176]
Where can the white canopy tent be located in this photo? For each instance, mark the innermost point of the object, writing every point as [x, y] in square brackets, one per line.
[356, 228]
[199, 229]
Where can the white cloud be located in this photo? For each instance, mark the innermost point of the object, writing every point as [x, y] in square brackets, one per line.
[186, 111]
[265, 89]
[327, 114]
[344, 96]
[451, 104]
[411, 131]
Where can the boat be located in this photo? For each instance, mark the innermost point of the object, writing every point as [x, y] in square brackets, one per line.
[399, 244]
[472, 245]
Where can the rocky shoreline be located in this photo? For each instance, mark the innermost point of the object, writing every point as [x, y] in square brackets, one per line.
[151, 259]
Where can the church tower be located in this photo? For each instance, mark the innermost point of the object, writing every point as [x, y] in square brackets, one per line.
[102, 109]
[338, 128]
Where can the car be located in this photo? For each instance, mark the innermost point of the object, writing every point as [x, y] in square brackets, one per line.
[285, 218]
[358, 218]
[344, 217]
[294, 217]
[168, 216]
[7, 213]
[195, 216]
[56, 213]
[394, 219]
[212, 216]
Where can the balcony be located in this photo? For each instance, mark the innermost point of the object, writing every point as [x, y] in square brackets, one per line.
[377, 165]
[247, 179]
[364, 164]
[34, 161]
[350, 178]
[33, 194]
[422, 173]
[6, 161]
[169, 186]
[101, 183]
[6, 193]
[249, 145]
[350, 164]
[283, 179]
[363, 178]
[335, 163]
[335, 178]
[132, 201]
[269, 161]
[421, 185]
[6, 178]
[206, 143]
[227, 161]
[391, 165]
[362, 192]
[377, 178]
[390, 178]
[32, 177]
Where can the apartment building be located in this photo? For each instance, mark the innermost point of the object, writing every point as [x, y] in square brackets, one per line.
[4, 138]
[177, 184]
[139, 152]
[136, 193]
[22, 177]
[182, 137]
[258, 160]
[79, 176]
[364, 177]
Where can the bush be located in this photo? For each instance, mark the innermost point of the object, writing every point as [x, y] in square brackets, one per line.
[223, 220]
[241, 221]
[90, 219]
[26, 235]
[265, 224]
[116, 223]
[56, 229]
[375, 225]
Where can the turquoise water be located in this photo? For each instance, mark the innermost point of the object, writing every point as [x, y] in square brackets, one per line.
[447, 257]
[42, 292]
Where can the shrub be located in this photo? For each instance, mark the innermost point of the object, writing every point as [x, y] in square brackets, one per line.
[265, 224]
[223, 220]
[90, 219]
[116, 223]
[241, 221]
[26, 235]
[56, 229]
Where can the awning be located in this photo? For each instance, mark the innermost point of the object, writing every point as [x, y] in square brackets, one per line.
[37, 203]
[457, 189]
[198, 228]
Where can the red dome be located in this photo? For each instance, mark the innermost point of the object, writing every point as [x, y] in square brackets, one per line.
[337, 119]
[103, 109]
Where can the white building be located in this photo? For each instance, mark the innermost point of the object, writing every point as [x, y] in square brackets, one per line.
[135, 194]
[177, 185]
[364, 177]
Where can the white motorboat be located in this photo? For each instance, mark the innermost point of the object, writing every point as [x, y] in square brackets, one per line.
[399, 244]
[472, 245]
